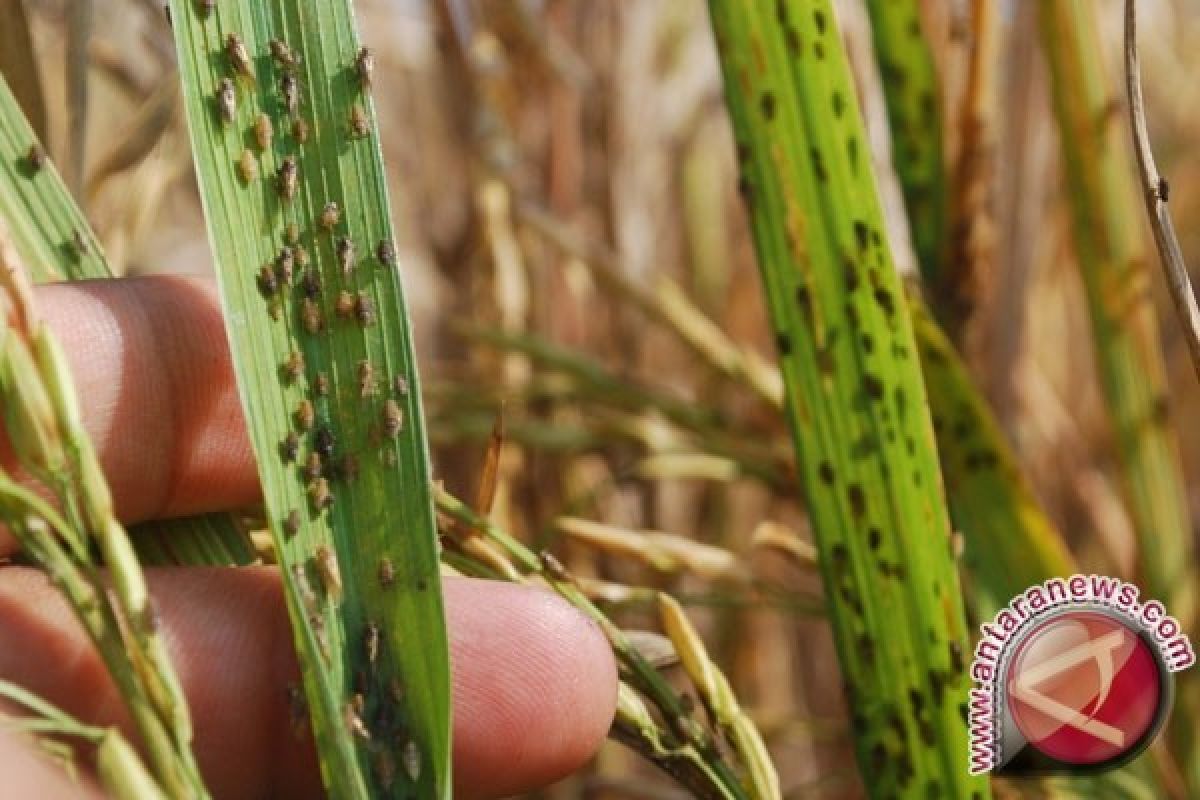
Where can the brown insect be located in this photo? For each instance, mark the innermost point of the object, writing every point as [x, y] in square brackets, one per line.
[227, 100]
[360, 123]
[313, 468]
[283, 54]
[345, 304]
[364, 309]
[387, 572]
[293, 368]
[292, 233]
[36, 157]
[330, 215]
[289, 447]
[239, 57]
[305, 415]
[324, 442]
[310, 284]
[267, 282]
[321, 384]
[393, 417]
[291, 93]
[364, 65]
[310, 314]
[291, 523]
[247, 167]
[410, 757]
[289, 175]
[300, 130]
[344, 248]
[366, 379]
[354, 722]
[327, 569]
[319, 494]
[371, 641]
[400, 384]
[285, 263]
[385, 251]
[301, 256]
[206, 6]
[304, 589]
[263, 131]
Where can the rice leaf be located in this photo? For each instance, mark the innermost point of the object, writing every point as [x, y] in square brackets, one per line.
[324, 360]
[855, 397]
[54, 239]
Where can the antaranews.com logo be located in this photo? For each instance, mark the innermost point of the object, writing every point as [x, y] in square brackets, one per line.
[1074, 675]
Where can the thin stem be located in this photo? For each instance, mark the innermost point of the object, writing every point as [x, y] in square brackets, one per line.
[1154, 193]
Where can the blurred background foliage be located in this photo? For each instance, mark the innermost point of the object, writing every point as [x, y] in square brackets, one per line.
[566, 198]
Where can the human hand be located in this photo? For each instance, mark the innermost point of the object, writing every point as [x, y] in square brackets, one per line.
[534, 681]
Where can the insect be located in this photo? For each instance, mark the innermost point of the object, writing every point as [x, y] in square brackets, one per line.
[385, 251]
[263, 131]
[313, 469]
[289, 173]
[344, 248]
[300, 130]
[226, 100]
[285, 262]
[387, 572]
[400, 384]
[354, 722]
[364, 309]
[330, 215]
[321, 384]
[360, 124]
[393, 417]
[364, 64]
[301, 256]
[247, 167]
[283, 54]
[327, 569]
[289, 447]
[410, 757]
[292, 233]
[36, 157]
[311, 315]
[235, 48]
[206, 6]
[82, 248]
[371, 641]
[267, 282]
[311, 284]
[320, 634]
[305, 416]
[324, 442]
[291, 523]
[291, 93]
[345, 304]
[319, 494]
[293, 368]
[366, 379]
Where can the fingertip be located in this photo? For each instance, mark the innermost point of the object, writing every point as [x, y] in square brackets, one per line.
[535, 687]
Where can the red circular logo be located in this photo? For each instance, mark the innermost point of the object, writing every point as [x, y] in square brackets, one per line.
[1084, 688]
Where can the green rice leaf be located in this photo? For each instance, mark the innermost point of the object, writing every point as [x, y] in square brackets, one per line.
[327, 377]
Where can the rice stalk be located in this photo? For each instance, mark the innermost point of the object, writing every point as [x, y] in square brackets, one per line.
[856, 401]
[1112, 261]
[75, 537]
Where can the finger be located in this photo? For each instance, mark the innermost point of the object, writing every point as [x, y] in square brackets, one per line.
[534, 681]
[152, 369]
[28, 773]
